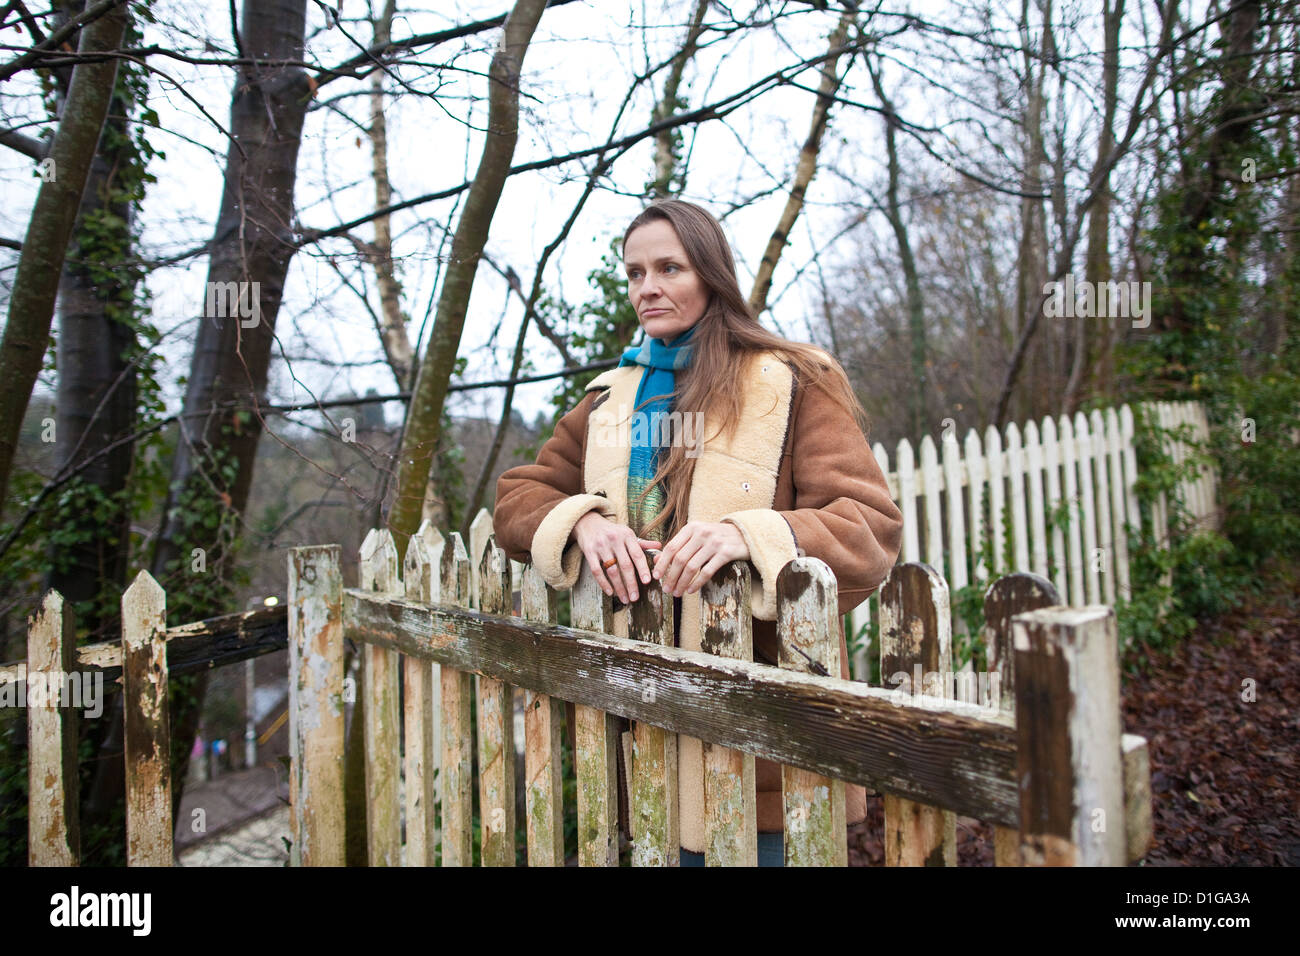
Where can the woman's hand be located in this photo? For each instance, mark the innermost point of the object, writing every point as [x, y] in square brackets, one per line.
[601, 539]
[696, 552]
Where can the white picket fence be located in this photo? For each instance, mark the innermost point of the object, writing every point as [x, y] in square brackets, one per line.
[1082, 468]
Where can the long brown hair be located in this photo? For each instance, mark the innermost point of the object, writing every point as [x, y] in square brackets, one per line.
[725, 338]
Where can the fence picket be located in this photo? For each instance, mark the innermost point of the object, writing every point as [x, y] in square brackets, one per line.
[907, 492]
[1105, 541]
[480, 529]
[1118, 516]
[815, 827]
[975, 479]
[1087, 509]
[730, 796]
[1006, 597]
[53, 790]
[958, 577]
[318, 837]
[997, 497]
[543, 724]
[380, 691]
[1069, 753]
[656, 831]
[457, 728]
[1034, 462]
[145, 724]
[596, 760]
[931, 479]
[496, 724]
[421, 704]
[1069, 456]
[916, 639]
[1052, 463]
[1016, 474]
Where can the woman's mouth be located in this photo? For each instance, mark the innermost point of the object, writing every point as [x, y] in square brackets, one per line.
[651, 313]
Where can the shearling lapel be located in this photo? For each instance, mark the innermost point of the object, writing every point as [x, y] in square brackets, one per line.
[732, 473]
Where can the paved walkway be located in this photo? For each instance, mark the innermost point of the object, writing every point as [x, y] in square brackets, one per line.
[237, 819]
[259, 842]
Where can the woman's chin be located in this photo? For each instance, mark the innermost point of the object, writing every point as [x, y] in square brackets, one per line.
[663, 328]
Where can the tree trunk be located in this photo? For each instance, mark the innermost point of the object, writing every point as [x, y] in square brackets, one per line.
[31, 302]
[253, 243]
[1207, 173]
[424, 416]
[392, 332]
[807, 165]
[95, 368]
[1093, 369]
[667, 140]
[918, 406]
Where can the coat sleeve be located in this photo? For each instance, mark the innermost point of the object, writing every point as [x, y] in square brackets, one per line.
[537, 505]
[843, 513]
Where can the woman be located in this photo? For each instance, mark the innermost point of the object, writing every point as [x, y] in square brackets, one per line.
[780, 468]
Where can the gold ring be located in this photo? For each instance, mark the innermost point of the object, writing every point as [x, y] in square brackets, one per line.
[609, 564]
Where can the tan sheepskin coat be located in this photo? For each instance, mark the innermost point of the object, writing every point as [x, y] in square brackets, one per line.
[797, 478]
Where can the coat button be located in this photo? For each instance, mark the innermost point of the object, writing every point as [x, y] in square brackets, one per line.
[744, 485]
[764, 368]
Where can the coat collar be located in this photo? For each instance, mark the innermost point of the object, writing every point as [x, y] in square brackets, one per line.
[732, 473]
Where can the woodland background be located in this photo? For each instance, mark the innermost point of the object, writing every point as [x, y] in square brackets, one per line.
[427, 199]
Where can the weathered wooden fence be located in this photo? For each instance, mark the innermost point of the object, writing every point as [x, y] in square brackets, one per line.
[1034, 746]
[1040, 754]
[58, 680]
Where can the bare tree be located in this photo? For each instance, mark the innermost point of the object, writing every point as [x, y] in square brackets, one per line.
[424, 415]
[31, 303]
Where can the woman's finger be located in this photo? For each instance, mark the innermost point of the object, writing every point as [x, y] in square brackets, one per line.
[627, 570]
[707, 572]
[601, 573]
[681, 573]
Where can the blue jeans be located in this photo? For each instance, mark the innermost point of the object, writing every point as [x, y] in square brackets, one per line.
[771, 852]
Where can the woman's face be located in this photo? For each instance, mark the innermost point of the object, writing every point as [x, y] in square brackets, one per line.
[668, 294]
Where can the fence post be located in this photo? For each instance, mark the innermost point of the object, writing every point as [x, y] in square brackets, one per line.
[53, 793]
[916, 640]
[815, 824]
[380, 692]
[730, 797]
[543, 723]
[656, 831]
[1069, 761]
[145, 724]
[1006, 597]
[316, 815]
[457, 729]
[596, 737]
[496, 725]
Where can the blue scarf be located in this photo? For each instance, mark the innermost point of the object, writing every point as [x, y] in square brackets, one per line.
[661, 359]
